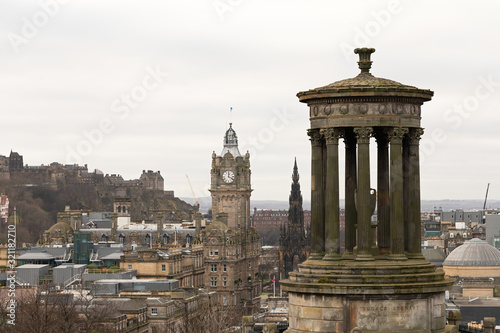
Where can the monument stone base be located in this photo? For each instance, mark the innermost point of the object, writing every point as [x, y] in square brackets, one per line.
[380, 296]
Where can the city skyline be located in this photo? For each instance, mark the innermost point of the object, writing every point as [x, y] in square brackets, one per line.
[124, 86]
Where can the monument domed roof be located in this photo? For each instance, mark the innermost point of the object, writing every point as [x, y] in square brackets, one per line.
[474, 252]
[365, 84]
[365, 80]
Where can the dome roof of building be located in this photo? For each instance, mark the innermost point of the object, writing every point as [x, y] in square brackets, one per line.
[62, 227]
[230, 142]
[474, 252]
[365, 84]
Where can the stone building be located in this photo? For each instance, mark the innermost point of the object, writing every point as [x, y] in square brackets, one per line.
[469, 217]
[169, 262]
[62, 231]
[55, 175]
[15, 161]
[492, 230]
[116, 227]
[270, 221]
[382, 282]
[152, 180]
[294, 242]
[232, 246]
[4, 168]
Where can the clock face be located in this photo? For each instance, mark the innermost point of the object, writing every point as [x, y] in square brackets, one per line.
[228, 176]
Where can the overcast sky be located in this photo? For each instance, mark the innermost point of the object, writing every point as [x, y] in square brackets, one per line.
[130, 85]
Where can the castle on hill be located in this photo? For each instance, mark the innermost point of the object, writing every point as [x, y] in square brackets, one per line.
[55, 175]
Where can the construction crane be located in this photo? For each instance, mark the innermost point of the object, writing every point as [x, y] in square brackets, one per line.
[484, 206]
[486, 198]
[192, 191]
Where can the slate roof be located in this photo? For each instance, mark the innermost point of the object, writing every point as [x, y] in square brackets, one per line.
[35, 256]
[112, 256]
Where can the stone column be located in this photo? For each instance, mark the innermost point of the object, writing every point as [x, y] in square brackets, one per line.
[414, 226]
[363, 197]
[396, 186]
[332, 211]
[406, 191]
[383, 198]
[317, 196]
[351, 215]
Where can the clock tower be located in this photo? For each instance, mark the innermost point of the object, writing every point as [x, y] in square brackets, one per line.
[231, 187]
[232, 247]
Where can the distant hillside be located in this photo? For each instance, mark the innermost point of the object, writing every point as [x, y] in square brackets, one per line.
[427, 205]
[37, 206]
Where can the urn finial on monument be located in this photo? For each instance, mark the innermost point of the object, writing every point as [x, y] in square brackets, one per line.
[364, 62]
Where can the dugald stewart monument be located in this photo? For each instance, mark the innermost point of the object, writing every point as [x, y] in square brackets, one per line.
[381, 283]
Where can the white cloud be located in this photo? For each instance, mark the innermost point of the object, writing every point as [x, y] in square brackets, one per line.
[63, 81]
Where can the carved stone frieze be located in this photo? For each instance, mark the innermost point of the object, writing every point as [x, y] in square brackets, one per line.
[389, 108]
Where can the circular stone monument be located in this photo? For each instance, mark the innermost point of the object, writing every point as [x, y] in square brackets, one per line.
[381, 282]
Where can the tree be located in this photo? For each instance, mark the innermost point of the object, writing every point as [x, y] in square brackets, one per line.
[47, 311]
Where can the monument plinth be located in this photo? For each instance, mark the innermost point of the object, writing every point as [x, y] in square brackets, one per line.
[381, 283]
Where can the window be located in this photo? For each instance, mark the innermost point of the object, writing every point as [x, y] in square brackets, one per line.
[163, 268]
[216, 252]
[224, 283]
[249, 264]
[224, 268]
[213, 267]
[154, 311]
[129, 267]
[213, 282]
[224, 300]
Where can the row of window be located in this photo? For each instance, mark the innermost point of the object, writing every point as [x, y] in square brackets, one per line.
[213, 267]
[213, 281]
[163, 268]
[147, 239]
